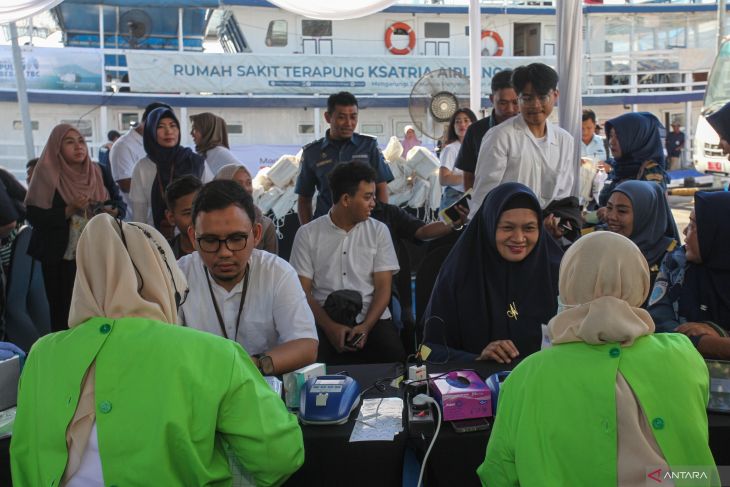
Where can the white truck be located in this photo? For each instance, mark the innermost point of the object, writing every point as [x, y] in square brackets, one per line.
[707, 155]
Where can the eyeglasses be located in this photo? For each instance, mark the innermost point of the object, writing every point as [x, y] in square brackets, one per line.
[234, 242]
[531, 99]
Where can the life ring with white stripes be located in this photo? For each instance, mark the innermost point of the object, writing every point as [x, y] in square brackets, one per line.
[497, 38]
[389, 38]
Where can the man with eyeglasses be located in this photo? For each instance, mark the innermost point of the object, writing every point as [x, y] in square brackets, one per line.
[242, 293]
[527, 148]
[504, 103]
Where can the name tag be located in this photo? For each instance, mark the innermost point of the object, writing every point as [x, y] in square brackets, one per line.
[361, 156]
[324, 163]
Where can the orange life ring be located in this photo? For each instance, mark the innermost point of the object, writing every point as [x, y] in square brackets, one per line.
[389, 38]
[497, 38]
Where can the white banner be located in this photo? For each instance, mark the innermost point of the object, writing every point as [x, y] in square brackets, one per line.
[258, 156]
[171, 72]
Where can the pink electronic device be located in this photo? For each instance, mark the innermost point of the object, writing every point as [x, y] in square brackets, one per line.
[462, 394]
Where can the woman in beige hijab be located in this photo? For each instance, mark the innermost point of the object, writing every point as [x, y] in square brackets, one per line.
[239, 173]
[610, 401]
[124, 397]
[210, 135]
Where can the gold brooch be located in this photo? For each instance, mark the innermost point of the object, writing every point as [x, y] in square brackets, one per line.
[512, 311]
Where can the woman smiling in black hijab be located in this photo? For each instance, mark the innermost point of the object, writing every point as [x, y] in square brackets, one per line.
[498, 285]
[166, 160]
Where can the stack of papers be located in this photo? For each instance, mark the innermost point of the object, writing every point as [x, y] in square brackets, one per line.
[378, 420]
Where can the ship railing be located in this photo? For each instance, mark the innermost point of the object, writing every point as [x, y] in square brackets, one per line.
[539, 3]
[656, 71]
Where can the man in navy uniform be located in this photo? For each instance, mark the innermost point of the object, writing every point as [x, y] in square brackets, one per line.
[340, 144]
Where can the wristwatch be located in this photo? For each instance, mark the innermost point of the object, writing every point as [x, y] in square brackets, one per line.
[266, 364]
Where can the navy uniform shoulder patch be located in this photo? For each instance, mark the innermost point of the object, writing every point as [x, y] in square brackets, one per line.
[660, 289]
[313, 143]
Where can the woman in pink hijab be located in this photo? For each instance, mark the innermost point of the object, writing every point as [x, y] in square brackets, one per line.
[66, 190]
[410, 141]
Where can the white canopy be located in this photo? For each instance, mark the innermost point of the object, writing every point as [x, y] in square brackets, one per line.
[333, 10]
[12, 10]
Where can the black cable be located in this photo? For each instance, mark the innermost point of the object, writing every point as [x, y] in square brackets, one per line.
[443, 335]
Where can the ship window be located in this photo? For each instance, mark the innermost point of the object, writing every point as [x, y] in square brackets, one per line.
[18, 124]
[306, 128]
[317, 28]
[83, 126]
[234, 128]
[372, 128]
[277, 33]
[439, 30]
[128, 120]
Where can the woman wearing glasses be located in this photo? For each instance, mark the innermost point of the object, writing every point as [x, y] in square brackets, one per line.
[242, 293]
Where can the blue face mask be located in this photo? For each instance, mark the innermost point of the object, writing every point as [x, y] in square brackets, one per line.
[562, 306]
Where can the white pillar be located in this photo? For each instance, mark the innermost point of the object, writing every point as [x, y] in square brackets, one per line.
[22, 93]
[180, 29]
[317, 123]
[184, 128]
[688, 129]
[570, 67]
[101, 47]
[475, 57]
[103, 125]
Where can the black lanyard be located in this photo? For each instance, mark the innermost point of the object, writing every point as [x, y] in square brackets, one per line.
[240, 304]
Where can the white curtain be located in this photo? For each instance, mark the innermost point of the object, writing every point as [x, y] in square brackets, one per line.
[333, 10]
[12, 10]
[570, 62]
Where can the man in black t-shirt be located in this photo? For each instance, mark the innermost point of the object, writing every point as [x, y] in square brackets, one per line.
[504, 101]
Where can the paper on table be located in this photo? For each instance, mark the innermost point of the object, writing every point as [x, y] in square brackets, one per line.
[378, 420]
[7, 418]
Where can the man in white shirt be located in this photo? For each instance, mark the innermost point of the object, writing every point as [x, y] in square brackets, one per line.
[527, 148]
[242, 293]
[347, 250]
[124, 154]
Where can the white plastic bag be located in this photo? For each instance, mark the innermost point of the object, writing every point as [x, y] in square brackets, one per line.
[421, 188]
[422, 162]
[399, 199]
[434, 200]
[393, 150]
[285, 203]
[268, 199]
[261, 182]
[284, 171]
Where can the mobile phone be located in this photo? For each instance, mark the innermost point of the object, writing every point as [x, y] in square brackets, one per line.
[355, 340]
[565, 225]
[469, 425]
[449, 214]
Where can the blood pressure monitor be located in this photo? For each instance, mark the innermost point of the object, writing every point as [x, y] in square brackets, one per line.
[328, 399]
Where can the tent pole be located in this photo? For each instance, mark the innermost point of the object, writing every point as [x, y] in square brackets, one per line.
[475, 57]
[22, 93]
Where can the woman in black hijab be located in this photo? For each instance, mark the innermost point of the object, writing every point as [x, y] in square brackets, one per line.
[166, 161]
[498, 285]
